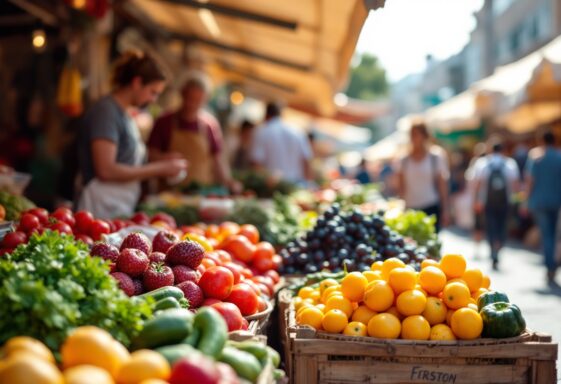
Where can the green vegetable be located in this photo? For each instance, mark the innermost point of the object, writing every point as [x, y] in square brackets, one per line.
[172, 353]
[193, 338]
[278, 374]
[256, 348]
[274, 357]
[167, 303]
[167, 327]
[164, 292]
[214, 331]
[51, 286]
[244, 363]
[490, 298]
[501, 320]
[14, 205]
[184, 303]
[419, 227]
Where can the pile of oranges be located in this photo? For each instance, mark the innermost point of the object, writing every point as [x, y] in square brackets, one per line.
[393, 301]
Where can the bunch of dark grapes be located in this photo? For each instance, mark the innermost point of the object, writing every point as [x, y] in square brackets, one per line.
[347, 238]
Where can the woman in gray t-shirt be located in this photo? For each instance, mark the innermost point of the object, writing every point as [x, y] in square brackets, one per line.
[111, 153]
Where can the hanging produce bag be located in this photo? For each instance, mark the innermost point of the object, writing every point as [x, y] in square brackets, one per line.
[69, 93]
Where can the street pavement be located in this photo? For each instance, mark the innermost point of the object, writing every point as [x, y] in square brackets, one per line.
[521, 275]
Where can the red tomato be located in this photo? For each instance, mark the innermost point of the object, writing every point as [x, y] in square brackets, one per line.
[246, 272]
[277, 262]
[65, 215]
[214, 257]
[228, 228]
[266, 282]
[28, 222]
[250, 232]
[253, 286]
[84, 220]
[61, 227]
[13, 239]
[245, 325]
[264, 250]
[201, 269]
[212, 231]
[262, 304]
[192, 229]
[245, 298]
[98, 228]
[208, 263]
[240, 247]
[224, 256]
[41, 213]
[210, 301]
[231, 313]
[217, 282]
[85, 239]
[140, 218]
[273, 275]
[236, 271]
[263, 264]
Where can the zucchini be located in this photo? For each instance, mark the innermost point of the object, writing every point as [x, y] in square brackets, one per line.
[214, 331]
[164, 292]
[244, 363]
[167, 303]
[166, 328]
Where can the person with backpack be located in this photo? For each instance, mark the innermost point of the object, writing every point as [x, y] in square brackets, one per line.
[496, 180]
[543, 178]
[423, 176]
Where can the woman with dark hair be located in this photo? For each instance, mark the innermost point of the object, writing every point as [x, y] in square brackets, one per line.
[423, 176]
[111, 153]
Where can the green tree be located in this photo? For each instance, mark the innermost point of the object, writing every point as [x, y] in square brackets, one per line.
[367, 79]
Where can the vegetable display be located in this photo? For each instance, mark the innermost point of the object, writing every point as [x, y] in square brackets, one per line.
[417, 226]
[502, 320]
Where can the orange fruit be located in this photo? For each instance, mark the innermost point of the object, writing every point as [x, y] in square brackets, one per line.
[485, 282]
[144, 364]
[384, 326]
[457, 280]
[305, 292]
[432, 280]
[334, 321]
[25, 367]
[310, 316]
[153, 381]
[420, 289]
[466, 324]
[363, 314]
[389, 264]
[341, 303]
[441, 332]
[377, 266]
[435, 311]
[355, 328]
[251, 232]
[93, 346]
[411, 303]
[297, 302]
[372, 275]
[379, 296]
[402, 279]
[429, 263]
[456, 295]
[449, 316]
[475, 295]
[395, 312]
[415, 328]
[324, 284]
[321, 307]
[473, 278]
[353, 286]
[315, 296]
[28, 344]
[87, 374]
[473, 306]
[453, 265]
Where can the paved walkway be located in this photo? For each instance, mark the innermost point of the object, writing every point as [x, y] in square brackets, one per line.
[521, 275]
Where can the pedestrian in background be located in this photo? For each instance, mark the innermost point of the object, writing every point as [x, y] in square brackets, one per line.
[423, 176]
[543, 178]
[479, 152]
[496, 180]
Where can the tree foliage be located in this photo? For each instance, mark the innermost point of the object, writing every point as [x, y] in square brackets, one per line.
[367, 79]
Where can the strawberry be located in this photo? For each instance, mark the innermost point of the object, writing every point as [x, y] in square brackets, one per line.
[138, 287]
[189, 253]
[156, 276]
[183, 273]
[163, 241]
[137, 240]
[133, 262]
[107, 252]
[193, 293]
[125, 282]
[157, 257]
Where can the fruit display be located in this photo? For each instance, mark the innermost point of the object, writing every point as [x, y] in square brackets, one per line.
[189, 273]
[14, 205]
[443, 301]
[348, 239]
[51, 285]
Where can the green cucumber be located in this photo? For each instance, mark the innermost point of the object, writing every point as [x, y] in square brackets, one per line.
[193, 338]
[214, 331]
[244, 363]
[274, 356]
[166, 328]
[164, 292]
[256, 348]
[167, 303]
[172, 353]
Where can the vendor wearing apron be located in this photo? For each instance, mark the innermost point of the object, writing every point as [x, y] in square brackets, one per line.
[195, 135]
[111, 153]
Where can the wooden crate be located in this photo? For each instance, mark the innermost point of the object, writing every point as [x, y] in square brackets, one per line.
[319, 357]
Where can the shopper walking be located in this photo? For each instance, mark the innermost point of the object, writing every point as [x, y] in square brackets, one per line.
[111, 153]
[497, 179]
[423, 176]
[280, 149]
[543, 173]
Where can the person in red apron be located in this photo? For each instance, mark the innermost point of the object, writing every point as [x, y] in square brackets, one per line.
[195, 135]
[111, 153]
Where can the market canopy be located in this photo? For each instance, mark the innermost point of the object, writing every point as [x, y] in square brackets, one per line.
[291, 50]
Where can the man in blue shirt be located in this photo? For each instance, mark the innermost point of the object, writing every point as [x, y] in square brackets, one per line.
[544, 201]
